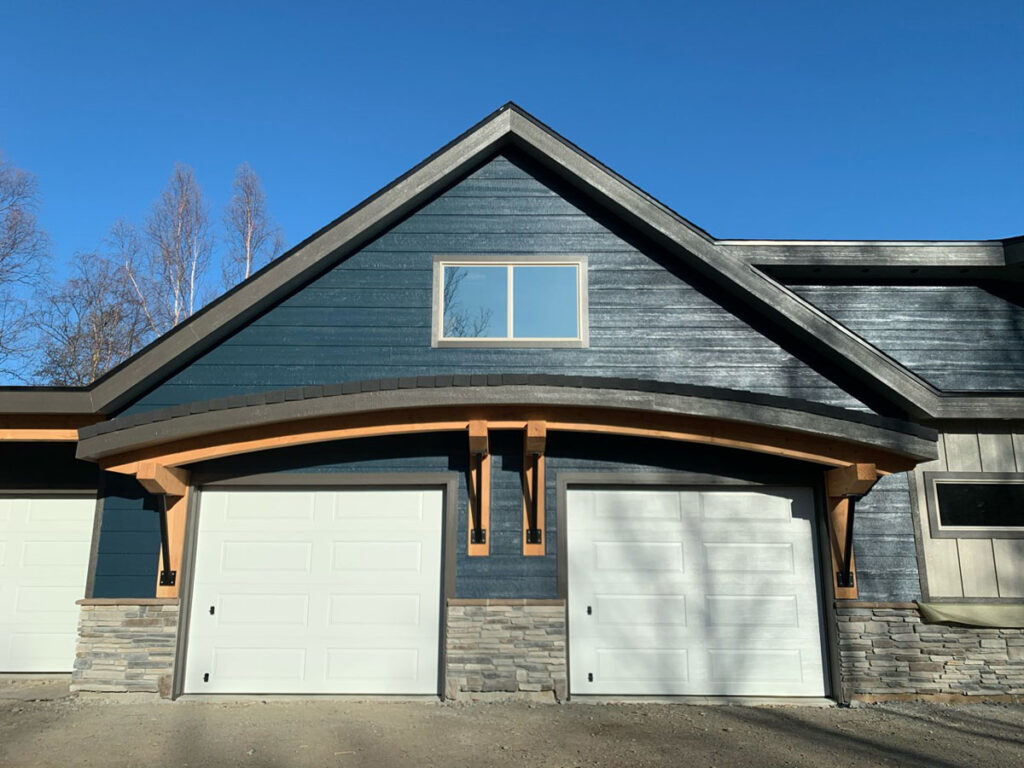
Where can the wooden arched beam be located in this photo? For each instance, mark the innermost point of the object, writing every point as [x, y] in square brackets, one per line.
[775, 441]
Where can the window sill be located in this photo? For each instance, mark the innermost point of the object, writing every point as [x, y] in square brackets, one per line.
[510, 343]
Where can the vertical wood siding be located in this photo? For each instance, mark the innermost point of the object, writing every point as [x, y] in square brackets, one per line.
[965, 337]
[980, 568]
[369, 316]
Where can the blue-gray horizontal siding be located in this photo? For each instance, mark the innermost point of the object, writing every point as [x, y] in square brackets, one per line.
[369, 316]
[128, 554]
[884, 545]
[957, 337]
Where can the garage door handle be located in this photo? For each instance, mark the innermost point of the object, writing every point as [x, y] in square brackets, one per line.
[589, 610]
[211, 610]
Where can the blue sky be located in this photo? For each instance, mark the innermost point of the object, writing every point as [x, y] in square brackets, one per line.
[873, 120]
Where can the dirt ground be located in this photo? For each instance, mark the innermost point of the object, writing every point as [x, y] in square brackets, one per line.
[40, 725]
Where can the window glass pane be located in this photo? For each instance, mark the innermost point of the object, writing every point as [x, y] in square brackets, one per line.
[475, 302]
[981, 504]
[544, 302]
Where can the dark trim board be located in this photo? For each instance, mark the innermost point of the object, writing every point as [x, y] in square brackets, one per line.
[188, 560]
[97, 529]
[46, 493]
[447, 481]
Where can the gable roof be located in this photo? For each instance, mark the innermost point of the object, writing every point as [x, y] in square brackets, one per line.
[730, 264]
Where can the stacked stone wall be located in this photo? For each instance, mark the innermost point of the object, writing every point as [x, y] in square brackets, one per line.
[505, 647]
[126, 646]
[886, 651]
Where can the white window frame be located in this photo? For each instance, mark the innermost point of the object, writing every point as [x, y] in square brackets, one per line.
[940, 531]
[582, 338]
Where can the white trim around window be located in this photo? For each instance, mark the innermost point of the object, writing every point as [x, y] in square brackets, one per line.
[510, 262]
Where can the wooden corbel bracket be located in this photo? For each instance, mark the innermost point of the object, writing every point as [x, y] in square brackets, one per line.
[844, 487]
[170, 486]
[479, 491]
[534, 443]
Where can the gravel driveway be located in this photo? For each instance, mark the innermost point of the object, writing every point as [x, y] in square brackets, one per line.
[60, 731]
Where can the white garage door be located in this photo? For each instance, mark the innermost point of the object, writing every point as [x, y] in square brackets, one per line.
[44, 560]
[694, 592]
[321, 591]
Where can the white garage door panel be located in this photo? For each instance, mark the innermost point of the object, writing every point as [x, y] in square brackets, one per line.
[692, 592]
[316, 592]
[44, 559]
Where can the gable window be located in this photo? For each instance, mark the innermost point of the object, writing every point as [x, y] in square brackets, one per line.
[975, 504]
[532, 301]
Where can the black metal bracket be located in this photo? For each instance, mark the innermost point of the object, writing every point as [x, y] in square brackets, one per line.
[167, 577]
[478, 535]
[534, 535]
[844, 576]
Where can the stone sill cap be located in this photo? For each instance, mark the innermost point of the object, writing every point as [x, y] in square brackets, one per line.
[127, 601]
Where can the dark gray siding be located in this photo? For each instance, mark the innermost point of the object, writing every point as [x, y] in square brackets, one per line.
[369, 317]
[964, 337]
[883, 543]
[129, 548]
[45, 466]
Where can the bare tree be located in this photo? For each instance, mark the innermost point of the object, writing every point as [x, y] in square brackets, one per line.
[166, 264]
[458, 323]
[23, 251]
[251, 235]
[90, 323]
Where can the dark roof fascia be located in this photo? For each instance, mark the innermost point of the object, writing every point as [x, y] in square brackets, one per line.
[139, 431]
[994, 406]
[854, 253]
[1014, 248]
[48, 401]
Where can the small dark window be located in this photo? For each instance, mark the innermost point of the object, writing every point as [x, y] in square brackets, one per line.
[986, 505]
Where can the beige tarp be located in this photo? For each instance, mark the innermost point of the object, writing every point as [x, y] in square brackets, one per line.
[974, 614]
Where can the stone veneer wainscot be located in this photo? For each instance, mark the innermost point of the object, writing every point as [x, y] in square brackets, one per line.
[496, 647]
[126, 645]
[887, 652]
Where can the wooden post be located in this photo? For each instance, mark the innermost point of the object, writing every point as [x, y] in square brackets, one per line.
[840, 484]
[177, 516]
[479, 491]
[534, 443]
[172, 484]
